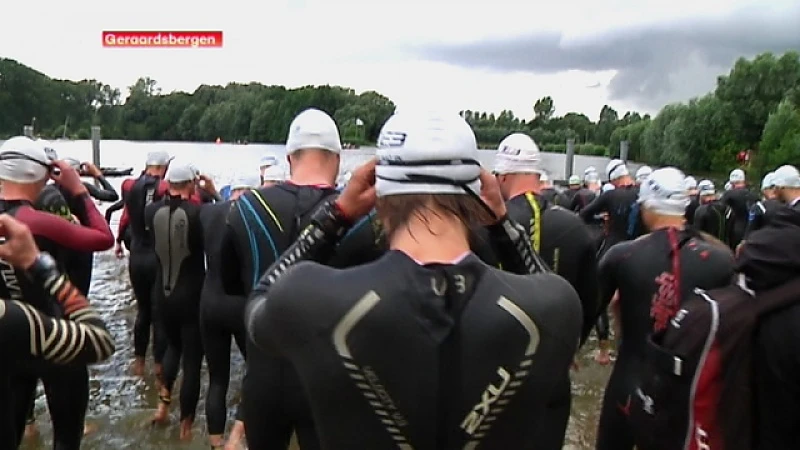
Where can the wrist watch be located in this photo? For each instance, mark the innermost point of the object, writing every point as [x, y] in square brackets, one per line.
[44, 269]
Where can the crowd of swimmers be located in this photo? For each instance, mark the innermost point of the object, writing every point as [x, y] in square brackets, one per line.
[419, 301]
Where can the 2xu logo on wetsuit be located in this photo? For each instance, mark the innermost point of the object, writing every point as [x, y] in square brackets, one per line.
[10, 279]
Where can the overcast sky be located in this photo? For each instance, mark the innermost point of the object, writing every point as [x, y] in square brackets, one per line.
[480, 55]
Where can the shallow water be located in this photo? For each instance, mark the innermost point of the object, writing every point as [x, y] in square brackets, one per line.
[121, 405]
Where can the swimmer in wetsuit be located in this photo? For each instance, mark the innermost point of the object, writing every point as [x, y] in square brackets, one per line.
[261, 225]
[740, 199]
[79, 267]
[80, 337]
[221, 315]
[548, 191]
[763, 211]
[712, 216]
[694, 200]
[651, 275]
[622, 223]
[557, 234]
[641, 174]
[25, 167]
[266, 163]
[138, 193]
[177, 235]
[474, 335]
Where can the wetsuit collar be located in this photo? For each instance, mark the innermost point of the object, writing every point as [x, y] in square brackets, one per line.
[794, 202]
[318, 186]
[454, 261]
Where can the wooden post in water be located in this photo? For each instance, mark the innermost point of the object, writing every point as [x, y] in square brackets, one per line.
[623, 150]
[27, 131]
[570, 158]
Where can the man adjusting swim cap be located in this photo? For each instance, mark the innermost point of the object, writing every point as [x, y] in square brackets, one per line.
[355, 323]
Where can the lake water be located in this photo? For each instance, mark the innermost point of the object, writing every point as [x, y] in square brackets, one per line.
[121, 405]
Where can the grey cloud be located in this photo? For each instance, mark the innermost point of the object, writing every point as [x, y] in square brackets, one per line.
[655, 64]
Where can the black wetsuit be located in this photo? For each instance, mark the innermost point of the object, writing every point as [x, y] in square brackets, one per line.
[624, 222]
[260, 226]
[644, 271]
[694, 203]
[125, 232]
[142, 262]
[487, 362]
[549, 194]
[79, 341]
[221, 317]
[716, 219]
[582, 199]
[771, 258]
[566, 198]
[740, 200]
[66, 387]
[79, 265]
[761, 214]
[177, 235]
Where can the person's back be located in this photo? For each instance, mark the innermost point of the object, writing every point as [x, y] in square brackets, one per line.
[458, 370]
[740, 199]
[714, 218]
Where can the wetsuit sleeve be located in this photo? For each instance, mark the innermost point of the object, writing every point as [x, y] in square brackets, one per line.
[125, 219]
[80, 338]
[106, 194]
[96, 236]
[114, 208]
[315, 242]
[587, 288]
[607, 277]
[597, 206]
[513, 248]
[755, 220]
[700, 217]
[363, 243]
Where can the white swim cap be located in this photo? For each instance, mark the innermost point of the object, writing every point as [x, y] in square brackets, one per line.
[591, 177]
[274, 173]
[615, 169]
[728, 186]
[588, 170]
[787, 177]
[607, 187]
[158, 159]
[663, 192]
[267, 160]
[769, 181]
[23, 160]
[427, 154]
[181, 172]
[736, 176]
[690, 183]
[706, 187]
[517, 153]
[544, 177]
[73, 162]
[574, 180]
[244, 182]
[643, 173]
[315, 129]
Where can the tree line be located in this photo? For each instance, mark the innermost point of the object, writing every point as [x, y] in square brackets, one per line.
[756, 107]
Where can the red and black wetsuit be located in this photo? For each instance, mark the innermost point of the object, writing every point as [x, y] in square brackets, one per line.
[652, 274]
[67, 388]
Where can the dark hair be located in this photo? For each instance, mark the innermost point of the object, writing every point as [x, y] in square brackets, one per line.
[181, 185]
[395, 211]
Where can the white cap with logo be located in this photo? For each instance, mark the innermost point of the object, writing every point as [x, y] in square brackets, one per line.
[274, 173]
[24, 160]
[315, 129]
[428, 153]
[768, 182]
[517, 153]
[643, 173]
[180, 172]
[664, 193]
[267, 161]
[787, 177]
[574, 180]
[690, 183]
[736, 176]
[158, 158]
[616, 169]
[706, 187]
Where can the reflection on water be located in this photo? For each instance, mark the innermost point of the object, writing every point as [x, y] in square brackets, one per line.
[121, 405]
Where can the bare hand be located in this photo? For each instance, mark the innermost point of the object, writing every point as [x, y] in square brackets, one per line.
[69, 178]
[119, 251]
[490, 194]
[18, 249]
[207, 184]
[358, 197]
[92, 170]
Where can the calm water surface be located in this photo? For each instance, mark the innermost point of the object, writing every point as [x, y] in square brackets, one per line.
[121, 405]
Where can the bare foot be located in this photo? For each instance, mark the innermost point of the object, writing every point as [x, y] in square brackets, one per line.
[186, 429]
[89, 428]
[236, 439]
[161, 416]
[603, 358]
[138, 366]
[31, 431]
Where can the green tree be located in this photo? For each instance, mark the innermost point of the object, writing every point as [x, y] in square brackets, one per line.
[543, 109]
[781, 139]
